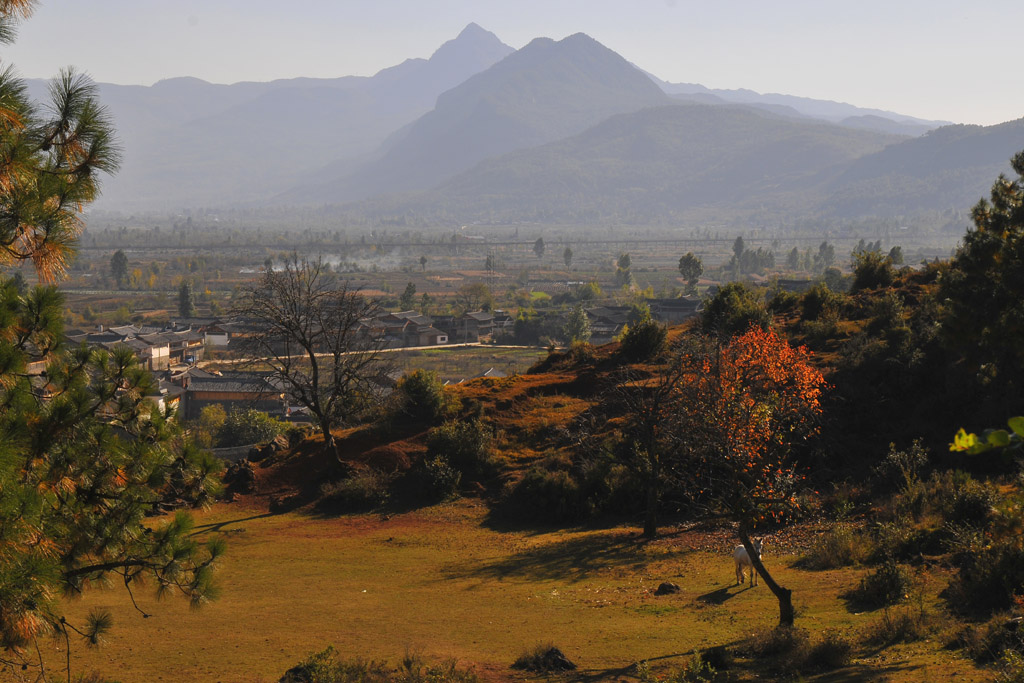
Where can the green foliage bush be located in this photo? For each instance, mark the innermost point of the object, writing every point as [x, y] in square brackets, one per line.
[421, 396]
[871, 270]
[326, 667]
[466, 445]
[364, 490]
[990, 575]
[819, 301]
[833, 651]
[244, 427]
[733, 309]
[437, 479]
[902, 625]
[890, 583]
[989, 641]
[555, 491]
[840, 546]
[643, 340]
[543, 658]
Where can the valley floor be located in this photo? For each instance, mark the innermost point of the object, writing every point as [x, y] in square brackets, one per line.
[440, 583]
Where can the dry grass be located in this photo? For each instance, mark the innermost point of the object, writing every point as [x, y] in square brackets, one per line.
[439, 583]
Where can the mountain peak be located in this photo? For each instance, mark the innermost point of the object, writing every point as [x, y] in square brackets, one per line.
[476, 39]
[473, 29]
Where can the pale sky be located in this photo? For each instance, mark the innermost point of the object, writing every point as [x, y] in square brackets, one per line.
[940, 59]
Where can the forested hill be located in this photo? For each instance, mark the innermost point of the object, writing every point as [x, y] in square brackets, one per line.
[948, 168]
[652, 165]
[546, 91]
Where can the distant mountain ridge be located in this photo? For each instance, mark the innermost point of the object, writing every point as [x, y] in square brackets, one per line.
[192, 143]
[651, 165]
[825, 110]
[564, 130]
[545, 91]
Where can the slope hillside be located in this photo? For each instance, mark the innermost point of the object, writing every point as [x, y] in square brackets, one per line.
[826, 110]
[545, 91]
[949, 168]
[654, 165]
[191, 143]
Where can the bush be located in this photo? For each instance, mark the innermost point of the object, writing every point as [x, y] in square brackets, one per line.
[871, 270]
[554, 491]
[990, 576]
[543, 658]
[992, 640]
[787, 646]
[696, 670]
[420, 395]
[436, 479]
[905, 625]
[325, 667]
[833, 651]
[819, 301]
[889, 584]
[840, 546]
[364, 490]
[550, 496]
[963, 500]
[244, 427]
[643, 340]
[466, 445]
[734, 309]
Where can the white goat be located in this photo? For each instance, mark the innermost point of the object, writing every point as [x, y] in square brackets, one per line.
[743, 561]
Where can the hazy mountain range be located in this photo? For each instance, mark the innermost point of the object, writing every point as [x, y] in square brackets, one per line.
[556, 131]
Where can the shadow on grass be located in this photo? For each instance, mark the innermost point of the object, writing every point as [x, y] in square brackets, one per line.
[572, 559]
[719, 596]
[219, 526]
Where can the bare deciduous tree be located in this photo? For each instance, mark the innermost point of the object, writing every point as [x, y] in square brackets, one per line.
[309, 329]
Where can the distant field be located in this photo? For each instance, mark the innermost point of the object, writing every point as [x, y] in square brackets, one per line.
[439, 582]
[462, 362]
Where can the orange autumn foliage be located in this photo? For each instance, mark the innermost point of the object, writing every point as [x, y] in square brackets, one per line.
[747, 402]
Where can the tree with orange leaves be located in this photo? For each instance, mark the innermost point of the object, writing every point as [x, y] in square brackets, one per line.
[744, 404]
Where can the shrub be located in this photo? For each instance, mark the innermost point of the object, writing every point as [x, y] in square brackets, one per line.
[818, 301]
[963, 500]
[787, 646]
[436, 479]
[325, 667]
[776, 641]
[904, 625]
[696, 670]
[990, 575]
[833, 651]
[549, 496]
[733, 309]
[782, 301]
[889, 584]
[871, 270]
[990, 641]
[466, 445]
[1011, 667]
[420, 395]
[244, 427]
[840, 546]
[364, 490]
[643, 340]
[543, 658]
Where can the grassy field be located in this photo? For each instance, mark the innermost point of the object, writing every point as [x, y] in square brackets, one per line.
[439, 582]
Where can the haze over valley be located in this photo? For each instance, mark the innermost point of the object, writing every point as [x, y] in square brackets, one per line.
[564, 131]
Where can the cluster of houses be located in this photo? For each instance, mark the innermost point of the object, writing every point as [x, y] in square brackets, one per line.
[173, 351]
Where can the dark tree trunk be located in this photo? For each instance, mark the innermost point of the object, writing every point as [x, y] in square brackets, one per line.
[784, 595]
